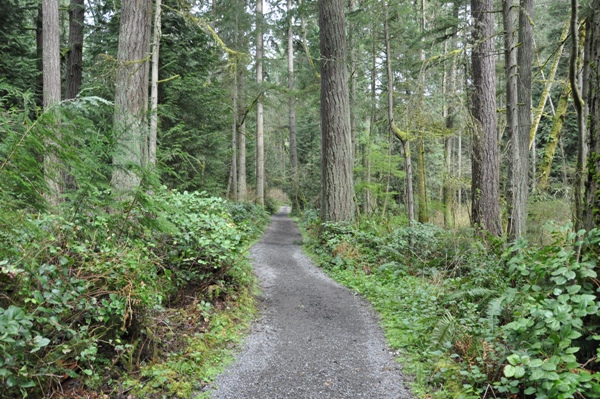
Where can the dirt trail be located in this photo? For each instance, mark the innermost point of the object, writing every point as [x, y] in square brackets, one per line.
[315, 339]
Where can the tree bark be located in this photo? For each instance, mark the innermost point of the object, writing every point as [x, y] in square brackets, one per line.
[421, 173]
[51, 93]
[370, 202]
[131, 95]
[152, 138]
[337, 180]
[512, 108]
[260, 136]
[485, 175]
[449, 87]
[234, 139]
[292, 110]
[517, 203]
[578, 103]
[75, 56]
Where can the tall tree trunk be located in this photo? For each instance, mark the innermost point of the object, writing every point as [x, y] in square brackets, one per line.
[592, 59]
[234, 139]
[152, 137]
[369, 201]
[554, 136]
[512, 101]
[75, 56]
[449, 87]
[242, 189]
[292, 110]
[517, 203]
[353, 72]
[131, 95]
[485, 175]
[51, 93]
[260, 136]
[402, 136]
[421, 173]
[337, 180]
[422, 180]
[578, 103]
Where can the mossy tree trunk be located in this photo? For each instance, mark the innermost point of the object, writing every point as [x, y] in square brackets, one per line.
[554, 136]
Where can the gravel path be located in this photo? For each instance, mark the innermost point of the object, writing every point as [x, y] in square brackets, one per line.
[315, 339]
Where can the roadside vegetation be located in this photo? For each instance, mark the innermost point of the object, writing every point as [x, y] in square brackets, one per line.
[106, 293]
[474, 318]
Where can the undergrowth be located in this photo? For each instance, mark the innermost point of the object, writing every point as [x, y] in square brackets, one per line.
[473, 319]
[104, 294]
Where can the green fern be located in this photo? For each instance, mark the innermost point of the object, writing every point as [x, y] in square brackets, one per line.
[443, 331]
[471, 293]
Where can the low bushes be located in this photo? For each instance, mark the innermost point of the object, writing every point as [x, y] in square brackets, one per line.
[476, 319]
[80, 295]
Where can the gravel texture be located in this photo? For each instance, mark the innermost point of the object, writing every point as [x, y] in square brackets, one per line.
[315, 338]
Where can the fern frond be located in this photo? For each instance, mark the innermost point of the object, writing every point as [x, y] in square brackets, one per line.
[473, 293]
[443, 331]
[494, 309]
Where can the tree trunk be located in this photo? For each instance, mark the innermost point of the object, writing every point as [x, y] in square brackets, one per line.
[292, 110]
[592, 209]
[131, 96]
[422, 181]
[554, 137]
[152, 138]
[234, 139]
[512, 101]
[51, 93]
[260, 137]
[337, 180]
[485, 175]
[578, 103]
[75, 56]
[394, 131]
[242, 189]
[421, 173]
[369, 201]
[449, 87]
[517, 203]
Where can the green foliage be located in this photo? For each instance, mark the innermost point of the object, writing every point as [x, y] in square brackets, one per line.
[471, 318]
[552, 305]
[82, 286]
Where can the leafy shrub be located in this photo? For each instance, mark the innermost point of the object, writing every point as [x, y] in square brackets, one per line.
[71, 295]
[477, 320]
[554, 295]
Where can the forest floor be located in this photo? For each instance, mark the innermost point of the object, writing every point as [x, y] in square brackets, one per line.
[314, 339]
